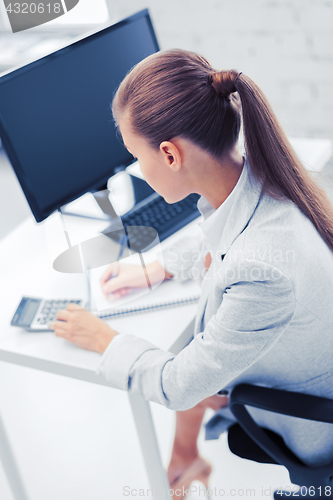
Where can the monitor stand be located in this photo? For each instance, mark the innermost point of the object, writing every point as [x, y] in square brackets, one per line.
[95, 206]
[96, 251]
[125, 190]
[103, 200]
[99, 250]
[105, 248]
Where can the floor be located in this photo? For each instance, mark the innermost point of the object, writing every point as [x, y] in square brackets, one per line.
[75, 440]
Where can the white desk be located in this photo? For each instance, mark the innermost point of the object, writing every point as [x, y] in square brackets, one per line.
[26, 268]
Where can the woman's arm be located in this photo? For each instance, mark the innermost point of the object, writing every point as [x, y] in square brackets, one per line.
[180, 259]
[176, 262]
[85, 330]
[79, 326]
[251, 318]
[119, 278]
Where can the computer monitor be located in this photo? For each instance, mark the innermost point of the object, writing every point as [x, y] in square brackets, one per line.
[55, 117]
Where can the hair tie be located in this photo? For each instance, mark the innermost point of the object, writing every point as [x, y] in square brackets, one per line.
[224, 82]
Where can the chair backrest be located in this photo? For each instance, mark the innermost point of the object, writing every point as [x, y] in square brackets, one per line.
[287, 403]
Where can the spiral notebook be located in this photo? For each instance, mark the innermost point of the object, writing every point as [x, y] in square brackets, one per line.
[167, 295]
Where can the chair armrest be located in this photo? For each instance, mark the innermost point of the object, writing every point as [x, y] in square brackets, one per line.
[287, 403]
[293, 404]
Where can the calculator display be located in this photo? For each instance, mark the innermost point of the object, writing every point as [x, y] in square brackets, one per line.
[26, 312]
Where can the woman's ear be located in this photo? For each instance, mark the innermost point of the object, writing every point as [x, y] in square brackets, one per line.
[171, 155]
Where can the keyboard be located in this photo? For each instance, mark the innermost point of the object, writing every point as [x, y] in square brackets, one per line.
[155, 221]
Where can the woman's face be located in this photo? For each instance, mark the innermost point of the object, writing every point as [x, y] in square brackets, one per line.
[180, 167]
[153, 164]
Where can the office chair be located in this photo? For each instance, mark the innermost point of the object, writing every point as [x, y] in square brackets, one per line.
[247, 440]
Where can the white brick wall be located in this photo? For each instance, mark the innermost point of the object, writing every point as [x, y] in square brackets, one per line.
[286, 46]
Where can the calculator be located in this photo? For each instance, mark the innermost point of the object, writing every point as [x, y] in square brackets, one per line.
[35, 314]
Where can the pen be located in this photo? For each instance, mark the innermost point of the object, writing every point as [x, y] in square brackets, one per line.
[122, 243]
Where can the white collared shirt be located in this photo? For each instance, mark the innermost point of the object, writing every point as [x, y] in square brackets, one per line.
[215, 220]
[185, 259]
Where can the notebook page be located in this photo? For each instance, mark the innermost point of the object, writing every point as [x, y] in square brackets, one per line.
[163, 293]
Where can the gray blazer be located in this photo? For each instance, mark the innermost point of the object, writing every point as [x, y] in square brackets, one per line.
[268, 305]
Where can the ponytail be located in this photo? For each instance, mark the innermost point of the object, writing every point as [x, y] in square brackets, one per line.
[177, 93]
[275, 163]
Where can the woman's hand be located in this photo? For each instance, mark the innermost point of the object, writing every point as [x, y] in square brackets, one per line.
[83, 329]
[128, 276]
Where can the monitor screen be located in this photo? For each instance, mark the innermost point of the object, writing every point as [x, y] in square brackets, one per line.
[55, 116]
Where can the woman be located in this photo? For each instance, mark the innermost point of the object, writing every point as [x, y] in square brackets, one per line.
[265, 312]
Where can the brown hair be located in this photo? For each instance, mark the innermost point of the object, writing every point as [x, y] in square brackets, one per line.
[177, 93]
